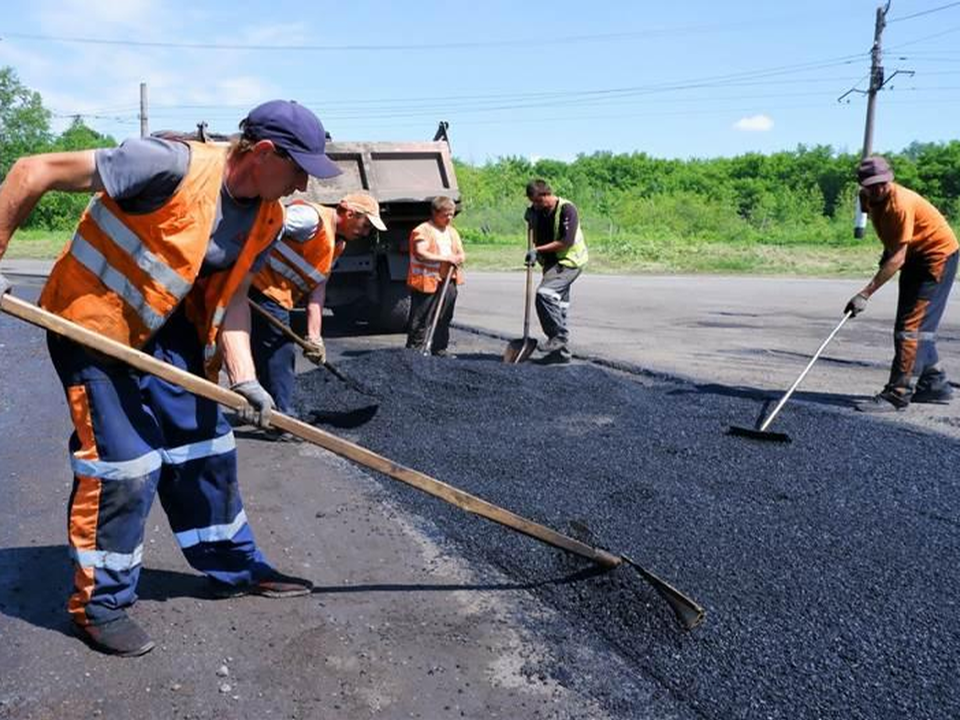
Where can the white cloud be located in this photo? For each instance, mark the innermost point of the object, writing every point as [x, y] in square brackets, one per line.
[754, 123]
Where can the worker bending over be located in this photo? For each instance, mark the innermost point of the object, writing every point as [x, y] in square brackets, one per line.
[298, 267]
[161, 261]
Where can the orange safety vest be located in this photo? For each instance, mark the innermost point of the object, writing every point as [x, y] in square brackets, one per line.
[122, 275]
[425, 275]
[294, 269]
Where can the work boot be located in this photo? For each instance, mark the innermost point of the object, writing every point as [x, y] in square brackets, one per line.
[557, 357]
[272, 585]
[553, 344]
[443, 353]
[888, 401]
[121, 637]
[933, 388]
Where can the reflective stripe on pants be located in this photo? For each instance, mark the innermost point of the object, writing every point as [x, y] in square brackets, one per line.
[920, 305]
[124, 422]
[553, 300]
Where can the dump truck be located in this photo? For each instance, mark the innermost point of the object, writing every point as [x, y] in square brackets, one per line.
[368, 281]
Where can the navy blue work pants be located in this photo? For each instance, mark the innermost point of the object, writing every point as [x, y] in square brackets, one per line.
[274, 354]
[135, 436]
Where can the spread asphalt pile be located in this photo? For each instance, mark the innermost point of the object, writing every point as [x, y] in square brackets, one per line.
[827, 567]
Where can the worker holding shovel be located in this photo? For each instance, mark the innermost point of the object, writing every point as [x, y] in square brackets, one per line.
[919, 243]
[298, 267]
[436, 254]
[161, 261]
[560, 249]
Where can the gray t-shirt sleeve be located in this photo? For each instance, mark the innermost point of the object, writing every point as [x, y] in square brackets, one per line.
[142, 173]
[300, 222]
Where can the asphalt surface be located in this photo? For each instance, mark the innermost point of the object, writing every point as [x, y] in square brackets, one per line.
[825, 566]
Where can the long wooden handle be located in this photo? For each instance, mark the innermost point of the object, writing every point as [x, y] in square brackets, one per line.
[428, 343]
[279, 324]
[529, 288]
[204, 388]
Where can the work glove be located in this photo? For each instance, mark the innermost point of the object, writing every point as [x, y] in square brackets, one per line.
[857, 304]
[259, 403]
[5, 285]
[531, 258]
[315, 351]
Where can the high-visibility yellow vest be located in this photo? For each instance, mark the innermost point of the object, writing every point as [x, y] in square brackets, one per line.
[574, 255]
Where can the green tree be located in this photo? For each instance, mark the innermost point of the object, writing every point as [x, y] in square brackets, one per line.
[24, 122]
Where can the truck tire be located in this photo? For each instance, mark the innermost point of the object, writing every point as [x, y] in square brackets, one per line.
[390, 315]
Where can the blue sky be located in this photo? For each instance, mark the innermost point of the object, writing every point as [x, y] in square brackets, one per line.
[681, 79]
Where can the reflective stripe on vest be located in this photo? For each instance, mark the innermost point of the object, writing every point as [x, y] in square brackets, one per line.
[94, 261]
[574, 255]
[123, 274]
[294, 269]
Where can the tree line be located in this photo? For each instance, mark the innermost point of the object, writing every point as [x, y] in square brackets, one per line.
[627, 201]
[805, 196]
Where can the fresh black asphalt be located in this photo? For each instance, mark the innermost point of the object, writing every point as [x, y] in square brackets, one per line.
[827, 566]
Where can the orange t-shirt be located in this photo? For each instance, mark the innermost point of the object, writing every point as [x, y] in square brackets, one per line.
[907, 219]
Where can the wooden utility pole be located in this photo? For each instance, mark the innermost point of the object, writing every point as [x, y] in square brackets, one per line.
[144, 127]
[876, 83]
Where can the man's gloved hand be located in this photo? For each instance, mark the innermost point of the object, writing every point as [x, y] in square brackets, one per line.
[260, 404]
[5, 285]
[315, 351]
[531, 258]
[857, 304]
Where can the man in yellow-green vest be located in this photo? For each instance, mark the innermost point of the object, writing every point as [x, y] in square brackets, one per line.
[560, 249]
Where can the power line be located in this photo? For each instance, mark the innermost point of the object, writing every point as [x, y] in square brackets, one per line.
[523, 42]
[924, 12]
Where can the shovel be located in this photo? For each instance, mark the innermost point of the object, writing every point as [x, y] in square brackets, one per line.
[428, 343]
[520, 349]
[760, 432]
[352, 384]
[688, 613]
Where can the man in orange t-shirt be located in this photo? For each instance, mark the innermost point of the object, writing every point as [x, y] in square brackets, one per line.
[919, 243]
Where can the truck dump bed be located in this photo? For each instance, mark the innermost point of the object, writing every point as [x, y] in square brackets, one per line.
[368, 282]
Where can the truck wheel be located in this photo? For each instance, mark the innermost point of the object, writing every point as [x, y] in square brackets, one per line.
[391, 312]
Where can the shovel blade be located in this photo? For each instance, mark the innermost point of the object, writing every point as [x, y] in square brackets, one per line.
[754, 434]
[519, 350]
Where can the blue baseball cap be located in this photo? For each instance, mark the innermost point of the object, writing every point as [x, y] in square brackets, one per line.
[294, 129]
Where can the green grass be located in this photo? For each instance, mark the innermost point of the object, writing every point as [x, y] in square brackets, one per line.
[625, 255]
[713, 257]
[37, 244]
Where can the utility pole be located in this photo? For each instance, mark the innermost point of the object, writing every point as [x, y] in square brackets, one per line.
[144, 128]
[876, 83]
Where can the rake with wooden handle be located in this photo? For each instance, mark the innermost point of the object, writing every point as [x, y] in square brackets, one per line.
[689, 614]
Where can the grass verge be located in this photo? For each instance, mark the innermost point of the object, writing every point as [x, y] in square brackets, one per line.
[37, 244]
